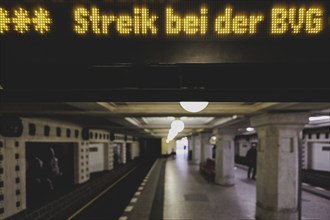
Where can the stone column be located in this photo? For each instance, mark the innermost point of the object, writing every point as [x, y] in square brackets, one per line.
[196, 150]
[81, 162]
[123, 153]
[190, 147]
[277, 164]
[207, 153]
[108, 156]
[225, 157]
[135, 149]
[202, 147]
[12, 176]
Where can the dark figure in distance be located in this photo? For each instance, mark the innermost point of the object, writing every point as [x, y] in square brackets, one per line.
[52, 168]
[251, 159]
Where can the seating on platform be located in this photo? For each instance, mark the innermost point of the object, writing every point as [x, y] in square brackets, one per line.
[208, 168]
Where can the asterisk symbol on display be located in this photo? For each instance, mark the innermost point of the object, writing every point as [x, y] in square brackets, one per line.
[4, 21]
[41, 20]
[21, 20]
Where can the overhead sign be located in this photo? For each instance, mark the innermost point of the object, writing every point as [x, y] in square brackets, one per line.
[96, 45]
[166, 19]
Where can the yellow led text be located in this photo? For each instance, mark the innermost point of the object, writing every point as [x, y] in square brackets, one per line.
[238, 24]
[141, 23]
[296, 21]
[21, 21]
[4, 21]
[190, 24]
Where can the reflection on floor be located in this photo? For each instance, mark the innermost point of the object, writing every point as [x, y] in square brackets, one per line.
[188, 195]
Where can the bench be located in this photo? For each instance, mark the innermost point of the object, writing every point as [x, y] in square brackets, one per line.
[207, 168]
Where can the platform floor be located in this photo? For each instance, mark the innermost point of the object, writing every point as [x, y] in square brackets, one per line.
[188, 195]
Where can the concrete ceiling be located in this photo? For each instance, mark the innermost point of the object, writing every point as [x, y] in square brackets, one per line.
[154, 118]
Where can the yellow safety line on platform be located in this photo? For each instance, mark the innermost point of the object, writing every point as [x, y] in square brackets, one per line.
[98, 196]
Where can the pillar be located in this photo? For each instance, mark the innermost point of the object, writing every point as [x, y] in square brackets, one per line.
[12, 176]
[195, 149]
[81, 162]
[135, 149]
[202, 147]
[225, 157]
[164, 147]
[108, 156]
[277, 164]
[123, 153]
[206, 147]
[190, 147]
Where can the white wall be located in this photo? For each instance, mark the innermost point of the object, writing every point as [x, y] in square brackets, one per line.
[243, 147]
[312, 154]
[135, 149]
[16, 145]
[181, 143]
[84, 161]
[96, 158]
[319, 158]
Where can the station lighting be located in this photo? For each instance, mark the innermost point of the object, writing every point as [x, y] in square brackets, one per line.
[177, 125]
[318, 118]
[171, 134]
[250, 129]
[133, 121]
[213, 140]
[194, 106]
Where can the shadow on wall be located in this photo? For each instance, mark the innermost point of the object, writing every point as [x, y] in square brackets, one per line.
[49, 172]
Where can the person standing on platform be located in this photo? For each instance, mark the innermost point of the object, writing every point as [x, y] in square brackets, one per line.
[251, 159]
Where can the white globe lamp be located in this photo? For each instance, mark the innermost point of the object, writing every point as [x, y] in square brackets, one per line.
[177, 125]
[194, 106]
[171, 134]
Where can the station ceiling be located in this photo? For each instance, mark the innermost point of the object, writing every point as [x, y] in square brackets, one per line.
[154, 118]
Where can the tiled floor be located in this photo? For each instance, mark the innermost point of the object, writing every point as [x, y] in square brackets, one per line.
[188, 195]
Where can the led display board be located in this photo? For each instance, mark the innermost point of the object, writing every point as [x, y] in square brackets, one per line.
[164, 44]
[193, 18]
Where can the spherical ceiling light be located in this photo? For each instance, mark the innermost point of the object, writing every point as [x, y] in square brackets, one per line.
[193, 106]
[171, 134]
[177, 125]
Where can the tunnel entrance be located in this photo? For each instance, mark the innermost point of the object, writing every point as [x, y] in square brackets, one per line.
[49, 172]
